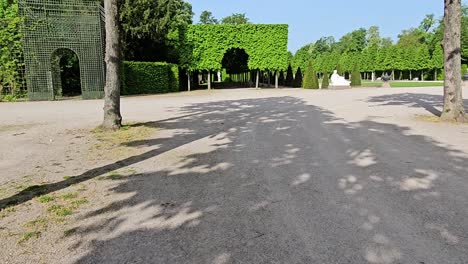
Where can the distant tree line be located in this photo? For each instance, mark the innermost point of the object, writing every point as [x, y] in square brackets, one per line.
[417, 53]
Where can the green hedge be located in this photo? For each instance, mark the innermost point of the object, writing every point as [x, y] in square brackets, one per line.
[150, 78]
[204, 46]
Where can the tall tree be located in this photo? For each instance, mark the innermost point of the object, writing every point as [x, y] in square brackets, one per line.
[112, 117]
[453, 100]
[151, 28]
[437, 60]
[235, 19]
[207, 18]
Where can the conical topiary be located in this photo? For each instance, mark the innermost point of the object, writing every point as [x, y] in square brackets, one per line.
[310, 77]
[325, 81]
[281, 78]
[289, 77]
[355, 76]
[298, 78]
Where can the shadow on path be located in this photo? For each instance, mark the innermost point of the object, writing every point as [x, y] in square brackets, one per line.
[275, 180]
[432, 103]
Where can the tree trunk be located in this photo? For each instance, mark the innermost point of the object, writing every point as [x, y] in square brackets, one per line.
[268, 79]
[113, 58]
[276, 79]
[453, 100]
[258, 79]
[373, 76]
[393, 75]
[410, 76]
[209, 80]
[189, 81]
[435, 75]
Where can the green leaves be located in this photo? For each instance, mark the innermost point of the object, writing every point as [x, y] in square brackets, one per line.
[11, 51]
[150, 78]
[266, 45]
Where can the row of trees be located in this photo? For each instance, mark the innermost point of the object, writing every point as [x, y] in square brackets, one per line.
[207, 18]
[417, 53]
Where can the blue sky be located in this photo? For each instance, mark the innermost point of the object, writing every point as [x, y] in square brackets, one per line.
[311, 19]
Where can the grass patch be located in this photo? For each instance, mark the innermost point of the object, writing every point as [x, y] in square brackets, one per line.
[60, 210]
[415, 84]
[79, 202]
[29, 235]
[428, 118]
[372, 84]
[39, 222]
[5, 212]
[403, 84]
[69, 232]
[114, 176]
[46, 199]
[115, 144]
[67, 177]
[69, 196]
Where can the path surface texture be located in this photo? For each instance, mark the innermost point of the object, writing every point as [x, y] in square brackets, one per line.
[253, 176]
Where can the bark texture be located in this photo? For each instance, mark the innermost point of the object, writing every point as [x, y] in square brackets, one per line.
[453, 100]
[112, 116]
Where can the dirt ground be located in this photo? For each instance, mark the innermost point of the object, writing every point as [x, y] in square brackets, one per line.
[236, 176]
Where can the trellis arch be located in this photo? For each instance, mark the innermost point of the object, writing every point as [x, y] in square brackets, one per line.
[266, 45]
[51, 25]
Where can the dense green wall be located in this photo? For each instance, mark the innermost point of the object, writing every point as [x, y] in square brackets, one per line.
[150, 78]
[205, 45]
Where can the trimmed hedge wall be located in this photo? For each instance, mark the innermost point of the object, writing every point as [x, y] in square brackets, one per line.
[150, 78]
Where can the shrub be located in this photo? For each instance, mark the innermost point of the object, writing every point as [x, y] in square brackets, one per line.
[325, 81]
[150, 78]
[355, 76]
[298, 78]
[289, 77]
[310, 77]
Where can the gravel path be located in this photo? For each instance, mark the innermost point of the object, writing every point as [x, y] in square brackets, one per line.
[250, 176]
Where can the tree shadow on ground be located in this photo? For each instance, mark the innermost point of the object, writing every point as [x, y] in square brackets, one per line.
[278, 181]
[432, 103]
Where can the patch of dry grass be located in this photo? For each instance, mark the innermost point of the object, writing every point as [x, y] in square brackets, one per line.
[112, 145]
[435, 119]
[428, 118]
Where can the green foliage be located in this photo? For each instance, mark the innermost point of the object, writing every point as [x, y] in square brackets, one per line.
[235, 19]
[325, 81]
[11, 51]
[437, 60]
[266, 45]
[152, 28]
[356, 76]
[207, 18]
[302, 57]
[150, 78]
[464, 69]
[289, 77]
[464, 33]
[310, 77]
[298, 78]
[154, 18]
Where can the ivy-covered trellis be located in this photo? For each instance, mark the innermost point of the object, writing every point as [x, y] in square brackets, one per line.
[205, 45]
[53, 28]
